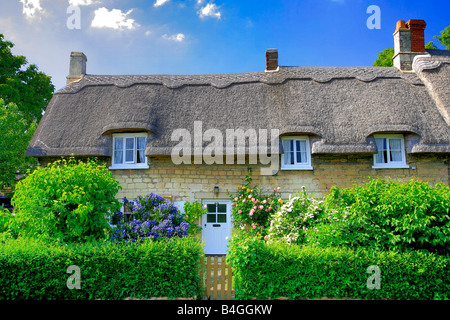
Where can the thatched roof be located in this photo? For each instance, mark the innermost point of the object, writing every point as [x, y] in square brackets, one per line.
[340, 107]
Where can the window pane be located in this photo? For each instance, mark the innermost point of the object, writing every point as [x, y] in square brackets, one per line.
[211, 207]
[140, 141]
[381, 155]
[222, 218]
[140, 156]
[129, 152]
[129, 143]
[291, 154]
[129, 156]
[118, 143]
[118, 150]
[286, 152]
[396, 156]
[395, 144]
[118, 157]
[140, 150]
[211, 218]
[301, 151]
[222, 208]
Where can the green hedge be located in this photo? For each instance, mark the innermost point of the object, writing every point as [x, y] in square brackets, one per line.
[268, 271]
[36, 270]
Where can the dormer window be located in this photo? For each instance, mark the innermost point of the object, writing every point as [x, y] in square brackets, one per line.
[129, 151]
[296, 153]
[391, 151]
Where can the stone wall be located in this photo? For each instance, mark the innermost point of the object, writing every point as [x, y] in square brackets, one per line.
[196, 182]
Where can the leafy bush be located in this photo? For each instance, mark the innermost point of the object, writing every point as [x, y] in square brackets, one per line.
[36, 270]
[192, 213]
[295, 218]
[389, 215]
[153, 217]
[268, 271]
[67, 200]
[6, 218]
[252, 208]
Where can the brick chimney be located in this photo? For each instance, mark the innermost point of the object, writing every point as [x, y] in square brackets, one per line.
[271, 60]
[77, 68]
[409, 41]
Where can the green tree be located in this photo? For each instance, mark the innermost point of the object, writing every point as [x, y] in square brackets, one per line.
[385, 56]
[24, 94]
[22, 84]
[444, 38]
[15, 135]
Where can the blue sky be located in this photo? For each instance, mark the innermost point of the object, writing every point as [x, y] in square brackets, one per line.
[205, 36]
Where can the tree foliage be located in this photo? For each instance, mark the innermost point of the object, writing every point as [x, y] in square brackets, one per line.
[24, 94]
[444, 38]
[384, 58]
[22, 84]
[15, 135]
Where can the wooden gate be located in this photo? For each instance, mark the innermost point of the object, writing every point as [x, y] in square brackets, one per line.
[217, 279]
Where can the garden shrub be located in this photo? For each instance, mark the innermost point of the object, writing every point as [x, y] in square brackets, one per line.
[389, 215]
[295, 218]
[32, 269]
[192, 213]
[67, 200]
[269, 271]
[6, 218]
[252, 208]
[152, 217]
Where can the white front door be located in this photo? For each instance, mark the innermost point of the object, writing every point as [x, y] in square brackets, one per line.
[216, 226]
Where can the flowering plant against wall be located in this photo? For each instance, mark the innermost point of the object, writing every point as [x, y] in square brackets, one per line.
[153, 217]
[291, 222]
[192, 214]
[251, 207]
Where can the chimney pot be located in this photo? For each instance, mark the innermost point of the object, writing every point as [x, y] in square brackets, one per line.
[271, 60]
[77, 67]
[400, 25]
[417, 28]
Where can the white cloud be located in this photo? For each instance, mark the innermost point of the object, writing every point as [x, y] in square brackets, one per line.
[160, 3]
[175, 37]
[83, 2]
[210, 10]
[31, 8]
[114, 19]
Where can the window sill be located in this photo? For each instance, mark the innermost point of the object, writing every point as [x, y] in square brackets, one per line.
[297, 168]
[392, 166]
[129, 167]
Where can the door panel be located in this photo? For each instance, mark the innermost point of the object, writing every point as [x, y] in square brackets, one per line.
[216, 226]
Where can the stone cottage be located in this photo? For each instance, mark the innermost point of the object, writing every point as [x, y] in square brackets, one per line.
[194, 137]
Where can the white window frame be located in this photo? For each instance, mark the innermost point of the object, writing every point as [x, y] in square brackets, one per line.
[397, 164]
[129, 164]
[297, 166]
